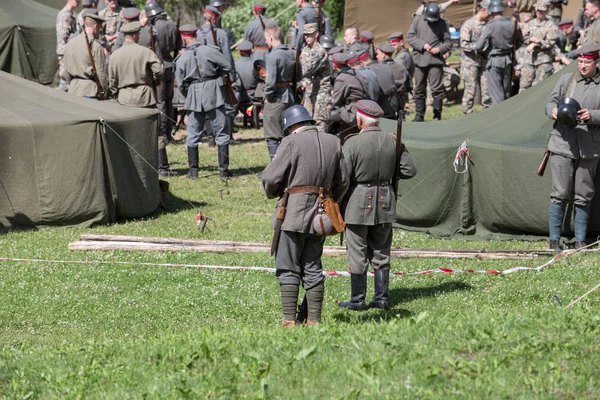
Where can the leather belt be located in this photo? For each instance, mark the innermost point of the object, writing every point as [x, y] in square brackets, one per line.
[372, 184]
[135, 85]
[282, 84]
[261, 48]
[304, 189]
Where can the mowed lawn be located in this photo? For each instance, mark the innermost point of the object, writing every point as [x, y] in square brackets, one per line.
[101, 330]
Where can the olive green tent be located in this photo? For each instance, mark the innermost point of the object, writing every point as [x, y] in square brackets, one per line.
[60, 165]
[500, 195]
[28, 40]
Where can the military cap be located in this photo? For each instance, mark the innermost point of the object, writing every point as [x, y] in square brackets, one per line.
[589, 51]
[88, 3]
[336, 50]
[131, 13]
[310, 29]
[363, 54]
[93, 16]
[131, 27]
[319, 1]
[395, 37]
[366, 36]
[245, 46]
[565, 23]
[88, 11]
[541, 5]
[369, 108]
[212, 10]
[188, 30]
[259, 7]
[340, 59]
[353, 57]
[386, 48]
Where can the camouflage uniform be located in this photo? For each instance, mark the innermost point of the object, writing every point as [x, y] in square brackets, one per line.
[471, 65]
[66, 28]
[525, 9]
[556, 10]
[113, 23]
[537, 65]
[317, 83]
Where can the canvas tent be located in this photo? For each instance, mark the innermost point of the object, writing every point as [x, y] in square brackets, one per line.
[28, 40]
[500, 196]
[57, 165]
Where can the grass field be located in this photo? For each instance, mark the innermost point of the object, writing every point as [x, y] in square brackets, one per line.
[101, 330]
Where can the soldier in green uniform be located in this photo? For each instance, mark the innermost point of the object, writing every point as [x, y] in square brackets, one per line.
[575, 149]
[592, 32]
[307, 162]
[278, 90]
[66, 28]
[370, 210]
[132, 14]
[78, 66]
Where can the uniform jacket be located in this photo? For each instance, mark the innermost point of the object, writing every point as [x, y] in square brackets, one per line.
[204, 35]
[583, 141]
[113, 20]
[198, 74]
[373, 87]
[246, 81]
[130, 73]
[388, 100]
[400, 75]
[496, 42]
[305, 158]
[304, 15]
[592, 33]
[436, 34]
[167, 39]
[66, 27]
[145, 40]
[470, 31]
[405, 59]
[254, 33]
[370, 157]
[547, 32]
[280, 68]
[315, 69]
[79, 67]
[348, 88]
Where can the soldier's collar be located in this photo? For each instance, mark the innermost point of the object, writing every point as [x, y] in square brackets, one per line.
[371, 129]
[596, 78]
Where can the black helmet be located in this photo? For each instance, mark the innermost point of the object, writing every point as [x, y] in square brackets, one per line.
[260, 70]
[153, 9]
[295, 115]
[495, 6]
[218, 3]
[328, 42]
[567, 112]
[432, 12]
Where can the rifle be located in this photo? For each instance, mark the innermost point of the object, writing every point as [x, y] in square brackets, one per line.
[398, 154]
[101, 94]
[153, 45]
[513, 55]
[281, 211]
[542, 168]
[230, 93]
[320, 22]
[262, 22]
[296, 71]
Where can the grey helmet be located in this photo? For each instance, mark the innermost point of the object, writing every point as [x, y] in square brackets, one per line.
[153, 9]
[219, 3]
[294, 115]
[432, 12]
[495, 6]
[328, 42]
[567, 112]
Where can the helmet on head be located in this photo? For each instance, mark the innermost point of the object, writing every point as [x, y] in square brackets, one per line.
[432, 12]
[328, 42]
[152, 9]
[260, 70]
[218, 3]
[495, 6]
[567, 112]
[295, 115]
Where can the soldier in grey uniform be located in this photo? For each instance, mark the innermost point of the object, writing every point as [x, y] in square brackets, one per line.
[278, 90]
[430, 39]
[222, 5]
[575, 150]
[307, 161]
[388, 95]
[348, 88]
[85, 5]
[372, 88]
[132, 14]
[305, 14]
[366, 39]
[246, 78]
[325, 27]
[400, 75]
[401, 54]
[78, 66]
[496, 43]
[199, 71]
[255, 33]
[351, 40]
[370, 204]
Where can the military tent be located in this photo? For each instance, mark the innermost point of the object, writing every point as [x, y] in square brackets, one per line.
[28, 40]
[59, 165]
[500, 195]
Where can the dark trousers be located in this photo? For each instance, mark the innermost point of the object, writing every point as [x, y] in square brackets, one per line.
[164, 102]
[499, 81]
[298, 259]
[433, 74]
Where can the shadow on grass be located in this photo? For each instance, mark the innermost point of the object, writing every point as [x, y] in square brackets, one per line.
[371, 315]
[239, 141]
[176, 204]
[247, 171]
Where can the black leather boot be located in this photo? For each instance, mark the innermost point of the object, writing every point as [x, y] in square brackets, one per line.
[358, 288]
[193, 162]
[382, 283]
[224, 161]
[420, 108]
[438, 105]
[163, 163]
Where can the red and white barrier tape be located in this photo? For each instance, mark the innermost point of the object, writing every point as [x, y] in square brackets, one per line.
[332, 274]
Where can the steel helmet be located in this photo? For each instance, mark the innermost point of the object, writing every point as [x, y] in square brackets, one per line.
[218, 3]
[260, 70]
[567, 112]
[153, 9]
[432, 12]
[495, 6]
[328, 42]
[295, 115]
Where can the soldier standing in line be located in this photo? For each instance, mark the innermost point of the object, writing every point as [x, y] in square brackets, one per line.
[246, 78]
[325, 27]
[198, 72]
[471, 62]
[372, 89]
[366, 40]
[592, 32]
[278, 90]
[351, 40]
[222, 5]
[66, 28]
[305, 14]
[370, 158]
[86, 5]
[132, 14]
[348, 88]
[401, 54]
[574, 149]
[541, 35]
[255, 33]
[316, 78]
[399, 73]
[430, 39]
[388, 96]
[82, 77]
[113, 17]
[308, 162]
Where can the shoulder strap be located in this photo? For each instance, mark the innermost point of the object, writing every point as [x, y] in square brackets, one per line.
[570, 90]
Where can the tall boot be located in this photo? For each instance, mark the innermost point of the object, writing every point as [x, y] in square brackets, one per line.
[582, 216]
[163, 163]
[314, 300]
[289, 301]
[438, 105]
[382, 283]
[224, 161]
[556, 214]
[193, 162]
[420, 108]
[358, 289]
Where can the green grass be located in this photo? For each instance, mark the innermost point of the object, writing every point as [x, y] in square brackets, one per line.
[102, 330]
